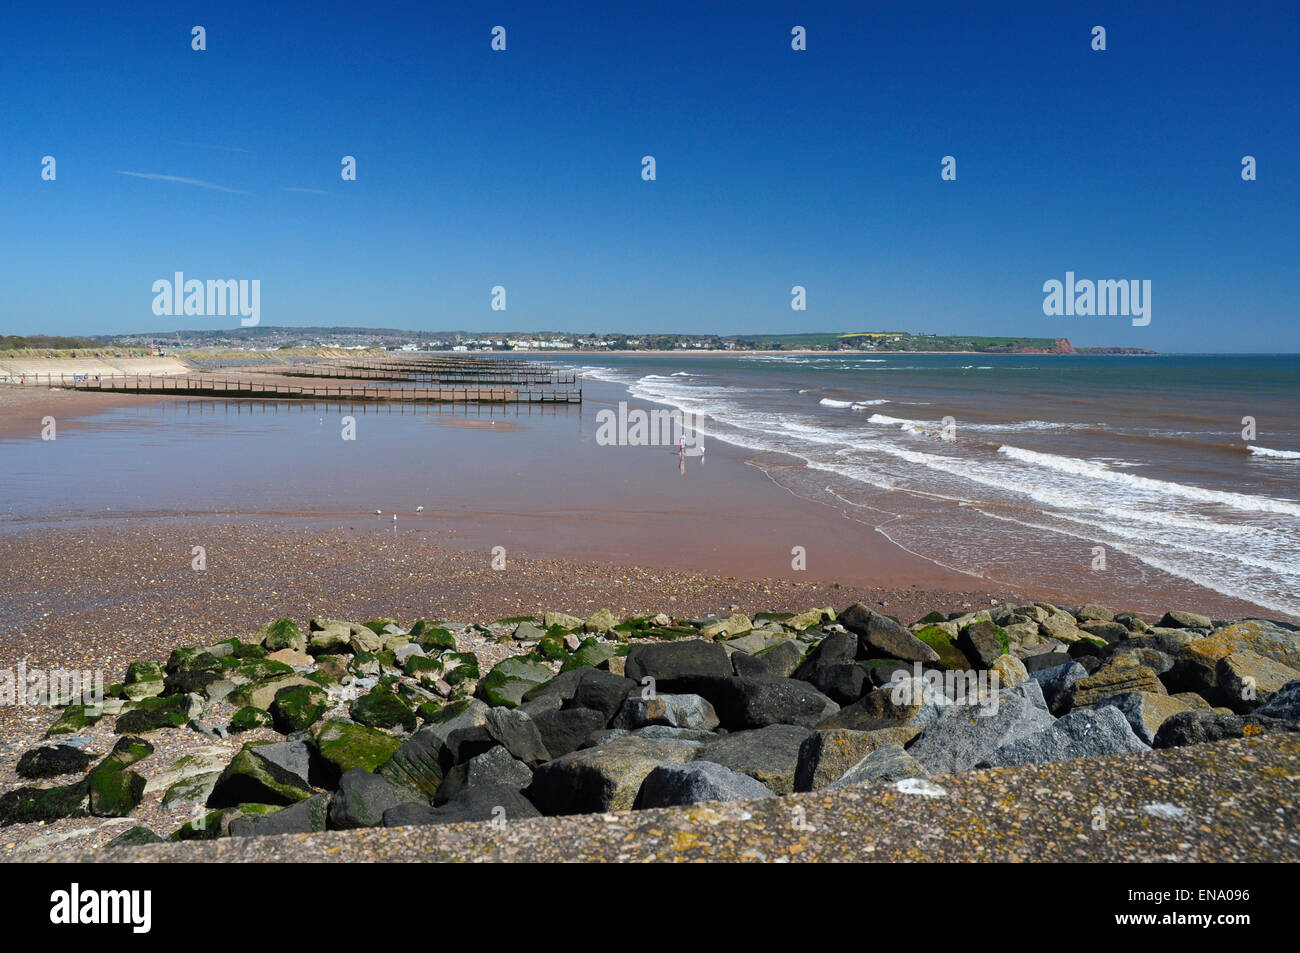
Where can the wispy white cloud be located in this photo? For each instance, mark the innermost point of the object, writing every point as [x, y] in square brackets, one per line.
[183, 181]
[290, 188]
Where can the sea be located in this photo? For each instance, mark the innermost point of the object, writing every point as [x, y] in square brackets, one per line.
[1029, 468]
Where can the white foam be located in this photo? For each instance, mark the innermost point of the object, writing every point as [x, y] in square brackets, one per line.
[1275, 454]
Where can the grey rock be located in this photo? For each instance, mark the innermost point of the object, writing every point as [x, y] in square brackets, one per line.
[1285, 703]
[769, 755]
[880, 636]
[305, 817]
[678, 666]
[566, 730]
[743, 702]
[671, 785]
[362, 799]
[492, 767]
[50, 761]
[604, 778]
[963, 735]
[887, 763]
[1087, 733]
[478, 803]
[1056, 684]
[676, 711]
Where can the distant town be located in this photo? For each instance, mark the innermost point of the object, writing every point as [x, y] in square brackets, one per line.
[284, 338]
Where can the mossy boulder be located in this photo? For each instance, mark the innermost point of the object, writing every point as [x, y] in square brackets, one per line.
[75, 718]
[216, 824]
[115, 790]
[432, 637]
[37, 805]
[458, 667]
[347, 746]
[588, 653]
[249, 718]
[153, 714]
[298, 707]
[506, 684]
[951, 656]
[143, 680]
[251, 779]
[380, 709]
[261, 694]
[552, 648]
[282, 634]
[668, 632]
[135, 837]
[256, 670]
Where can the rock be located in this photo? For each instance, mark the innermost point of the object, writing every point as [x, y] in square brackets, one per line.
[589, 653]
[250, 778]
[670, 785]
[1248, 679]
[1285, 703]
[678, 711]
[115, 790]
[347, 746]
[1145, 711]
[510, 728]
[984, 643]
[826, 755]
[912, 703]
[730, 627]
[963, 735]
[562, 620]
[678, 666]
[298, 707]
[493, 767]
[769, 755]
[601, 621]
[805, 620]
[528, 631]
[418, 763]
[1110, 631]
[743, 703]
[152, 714]
[143, 680]
[888, 763]
[1121, 674]
[135, 837]
[510, 680]
[305, 817]
[74, 719]
[1177, 619]
[191, 790]
[42, 805]
[261, 693]
[1046, 660]
[478, 803]
[944, 643]
[249, 718]
[50, 761]
[1094, 613]
[606, 778]
[291, 657]
[565, 731]
[1197, 727]
[197, 763]
[832, 668]
[1010, 671]
[362, 799]
[780, 660]
[281, 634]
[880, 636]
[1057, 684]
[1085, 733]
[381, 709]
[600, 691]
[1060, 626]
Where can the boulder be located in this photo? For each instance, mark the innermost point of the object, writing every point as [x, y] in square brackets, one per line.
[347, 746]
[1284, 705]
[1247, 679]
[605, 778]
[742, 702]
[1145, 711]
[381, 709]
[250, 778]
[880, 636]
[911, 703]
[963, 735]
[678, 666]
[727, 628]
[1010, 671]
[305, 817]
[984, 643]
[601, 691]
[1085, 733]
[671, 785]
[478, 803]
[41, 805]
[298, 707]
[1123, 673]
[281, 634]
[362, 799]
[1179, 619]
[565, 730]
[677, 711]
[1057, 684]
[495, 766]
[769, 755]
[886, 764]
[510, 728]
[50, 761]
[825, 755]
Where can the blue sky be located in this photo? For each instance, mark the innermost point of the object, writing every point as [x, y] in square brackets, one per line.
[775, 168]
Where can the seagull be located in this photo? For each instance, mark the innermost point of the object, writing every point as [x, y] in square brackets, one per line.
[419, 509]
[379, 512]
[394, 517]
